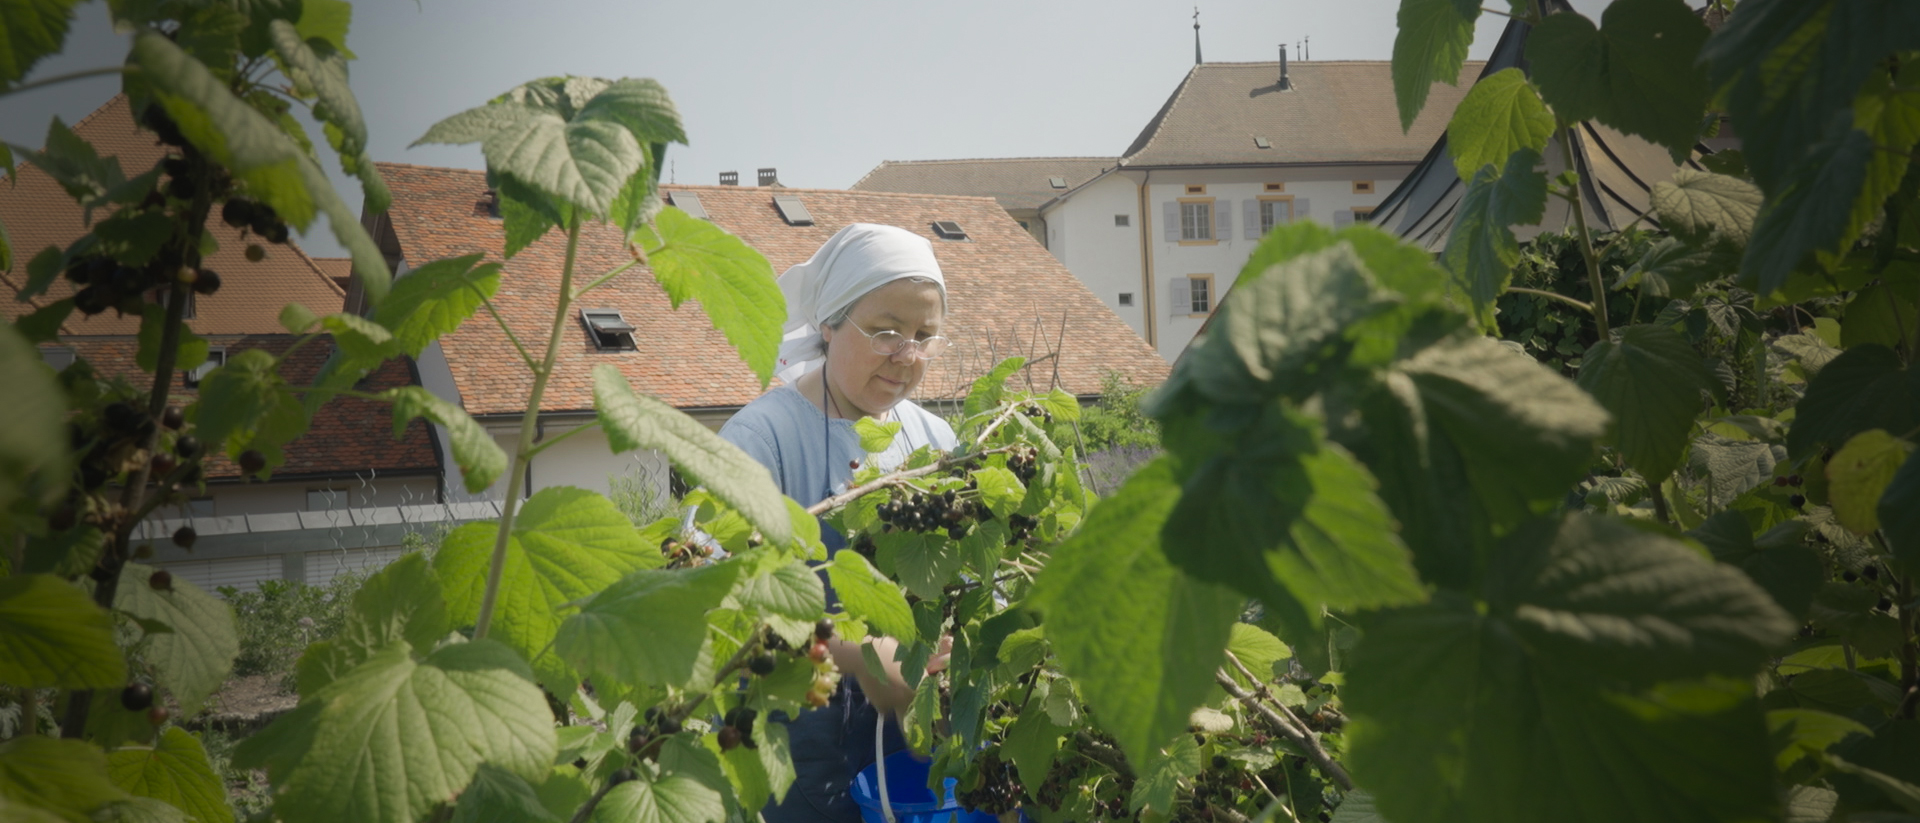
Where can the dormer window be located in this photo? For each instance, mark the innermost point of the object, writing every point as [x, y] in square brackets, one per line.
[949, 230]
[216, 358]
[608, 329]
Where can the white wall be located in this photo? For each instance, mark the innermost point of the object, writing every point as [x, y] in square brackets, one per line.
[583, 460]
[1325, 192]
[1102, 255]
[275, 497]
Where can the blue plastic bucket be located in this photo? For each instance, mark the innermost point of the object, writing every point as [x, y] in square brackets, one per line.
[907, 789]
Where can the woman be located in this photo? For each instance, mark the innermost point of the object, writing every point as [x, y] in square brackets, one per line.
[864, 317]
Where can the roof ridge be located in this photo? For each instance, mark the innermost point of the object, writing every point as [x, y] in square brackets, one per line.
[307, 259]
[102, 110]
[789, 189]
[1101, 158]
[1152, 131]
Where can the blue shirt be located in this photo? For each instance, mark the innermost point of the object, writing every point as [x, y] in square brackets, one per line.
[812, 457]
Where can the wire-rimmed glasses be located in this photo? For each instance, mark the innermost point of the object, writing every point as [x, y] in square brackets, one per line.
[890, 342]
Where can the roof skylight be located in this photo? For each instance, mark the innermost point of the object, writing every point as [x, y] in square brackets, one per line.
[792, 210]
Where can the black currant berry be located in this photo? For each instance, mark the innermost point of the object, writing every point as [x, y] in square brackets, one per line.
[252, 462]
[99, 575]
[729, 738]
[1797, 500]
[669, 725]
[173, 418]
[188, 447]
[237, 212]
[174, 166]
[164, 464]
[823, 630]
[623, 776]
[156, 120]
[207, 282]
[137, 697]
[637, 739]
[761, 665]
[255, 253]
[62, 518]
[1849, 576]
[93, 300]
[184, 537]
[277, 234]
[180, 188]
[1793, 480]
[1871, 572]
[743, 719]
[1884, 605]
[161, 580]
[121, 416]
[262, 219]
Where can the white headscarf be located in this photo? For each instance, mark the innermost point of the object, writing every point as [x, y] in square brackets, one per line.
[856, 260]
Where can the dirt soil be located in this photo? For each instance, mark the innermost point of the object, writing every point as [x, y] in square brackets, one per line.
[252, 697]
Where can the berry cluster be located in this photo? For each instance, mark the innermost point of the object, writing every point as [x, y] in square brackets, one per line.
[736, 728]
[997, 790]
[1037, 413]
[257, 217]
[945, 511]
[1022, 526]
[1023, 465]
[138, 697]
[1796, 499]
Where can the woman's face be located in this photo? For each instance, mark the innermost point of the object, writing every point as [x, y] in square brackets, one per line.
[862, 382]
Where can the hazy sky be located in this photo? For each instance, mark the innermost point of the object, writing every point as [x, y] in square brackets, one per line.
[822, 91]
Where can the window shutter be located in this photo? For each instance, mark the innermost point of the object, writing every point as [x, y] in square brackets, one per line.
[1179, 297]
[1170, 214]
[1223, 220]
[1300, 210]
[1342, 218]
[1250, 218]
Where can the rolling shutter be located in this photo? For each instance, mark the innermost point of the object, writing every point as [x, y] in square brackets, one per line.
[1170, 219]
[1250, 219]
[1179, 297]
[1223, 220]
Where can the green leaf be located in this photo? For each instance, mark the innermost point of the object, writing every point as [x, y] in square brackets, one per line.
[1810, 211]
[400, 602]
[697, 260]
[174, 771]
[1060, 403]
[875, 436]
[1636, 73]
[33, 445]
[323, 80]
[687, 789]
[582, 163]
[1481, 249]
[1900, 514]
[72, 162]
[67, 778]
[648, 627]
[1000, 489]
[1139, 637]
[1777, 560]
[435, 720]
[642, 106]
[1803, 732]
[1430, 48]
[432, 301]
[6, 240]
[870, 596]
[500, 796]
[297, 319]
[327, 21]
[566, 544]
[1286, 502]
[1541, 705]
[196, 657]
[792, 591]
[636, 421]
[1733, 467]
[230, 131]
[1651, 381]
[1031, 742]
[246, 403]
[1880, 313]
[369, 266]
[1889, 113]
[53, 636]
[479, 456]
[1164, 773]
[1864, 388]
[190, 353]
[1696, 203]
[1859, 475]
[1500, 115]
[32, 29]
[1257, 650]
[1357, 807]
[361, 339]
[988, 388]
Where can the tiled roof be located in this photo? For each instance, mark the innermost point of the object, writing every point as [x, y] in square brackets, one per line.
[1338, 111]
[1007, 296]
[348, 436]
[1017, 182]
[337, 269]
[38, 214]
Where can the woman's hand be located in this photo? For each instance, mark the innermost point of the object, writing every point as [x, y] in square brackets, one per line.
[893, 695]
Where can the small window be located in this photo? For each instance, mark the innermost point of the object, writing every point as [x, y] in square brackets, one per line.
[215, 359]
[729, 178]
[1193, 188]
[1262, 143]
[1126, 298]
[1196, 221]
[59, 357]
[200, 507]
[1057, 182]
[688, 202]
[792, 210]
[161, 295]
[1363, 187]
[1200, 287]
[1276, 187]
[1023, 224]
[1123, 220]
[1274, 213]
[609, 330]
[327, 500]
[488, 206]
[1363, 214]
[949, 230]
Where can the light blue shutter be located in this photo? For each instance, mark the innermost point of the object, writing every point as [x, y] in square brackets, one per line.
[1300, 210]
[1223, 220]
[1250, 219]
[1170, 212]
[1180, 297]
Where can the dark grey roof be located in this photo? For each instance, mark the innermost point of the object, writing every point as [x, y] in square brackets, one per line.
[1016, 182]
[1336, 111]
[1617, 173]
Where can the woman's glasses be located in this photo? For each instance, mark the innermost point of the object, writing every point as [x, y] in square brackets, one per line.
[890, 343]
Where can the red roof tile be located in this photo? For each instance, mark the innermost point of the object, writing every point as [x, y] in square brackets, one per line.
[1007, 296]
[38, 214]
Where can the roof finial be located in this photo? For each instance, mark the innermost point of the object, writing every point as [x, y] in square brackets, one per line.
[1306, 51]
[1196, 35]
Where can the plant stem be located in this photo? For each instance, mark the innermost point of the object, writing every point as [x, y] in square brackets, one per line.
[1576, 202]
[586, 809]
[602, 279]
[549, 442]
[62, 78]
[1578, 304]
[511, 338]
[898, 478]
[1283, 719]
[516, 476]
